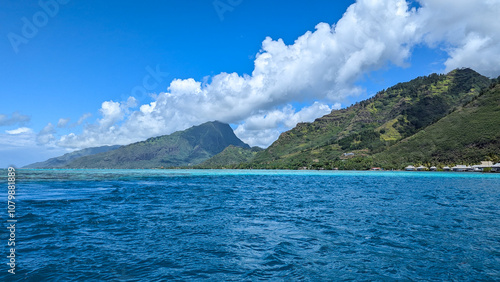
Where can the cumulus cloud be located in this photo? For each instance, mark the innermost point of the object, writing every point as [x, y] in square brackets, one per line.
[15, 118]
[265, 127]
[469, 31]
[46, 135]
[83, 118]
[105, 131]
[19, 147]
[322, 65]
[63, 122]
[20, 130]
[18, 138]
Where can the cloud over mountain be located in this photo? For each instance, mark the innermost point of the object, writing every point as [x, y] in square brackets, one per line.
[467, 30]
[319, 69]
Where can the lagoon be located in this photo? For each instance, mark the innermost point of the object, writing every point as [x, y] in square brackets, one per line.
[246, 225]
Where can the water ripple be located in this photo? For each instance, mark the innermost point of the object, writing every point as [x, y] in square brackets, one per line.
[137, 225]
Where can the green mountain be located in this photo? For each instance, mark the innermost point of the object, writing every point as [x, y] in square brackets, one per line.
[65, 159]
[372, 126]
[230, 157]
[469, 135]
[431, 120]
[183, 148]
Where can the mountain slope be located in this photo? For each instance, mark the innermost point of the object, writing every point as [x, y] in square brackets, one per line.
[230, 157]
[371, 126]
[65, 159]
[470, 134]
[183, 148]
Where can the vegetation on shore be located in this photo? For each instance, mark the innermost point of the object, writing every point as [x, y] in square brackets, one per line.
[64, 160]
[183, 148]
[467, 136]
[435, 120]
[230, 157]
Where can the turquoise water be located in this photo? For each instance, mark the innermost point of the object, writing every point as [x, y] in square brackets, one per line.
[230, 225]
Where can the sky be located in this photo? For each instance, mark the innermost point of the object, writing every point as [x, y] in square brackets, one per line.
[79, 74]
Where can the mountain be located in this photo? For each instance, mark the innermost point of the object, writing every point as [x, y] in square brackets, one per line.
[469, 135]
[230, 157]
[371, 126]
[183, 148]
[65, 159]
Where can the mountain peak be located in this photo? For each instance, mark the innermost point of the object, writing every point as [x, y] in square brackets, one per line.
[372, 125]
[65, 159]
[182, 148]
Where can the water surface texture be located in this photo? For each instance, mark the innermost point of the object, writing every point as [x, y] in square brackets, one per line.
[183, 225]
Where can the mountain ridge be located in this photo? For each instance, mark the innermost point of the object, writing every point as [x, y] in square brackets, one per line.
[373, 125]
[230, 156]
[372, 132]
[470, 134]
[182, 148]
[61, 161]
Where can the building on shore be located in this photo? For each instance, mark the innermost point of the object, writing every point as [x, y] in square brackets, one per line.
[482, 166]
[495, 168]
[461, 168]
[410, 168]
[421, 168]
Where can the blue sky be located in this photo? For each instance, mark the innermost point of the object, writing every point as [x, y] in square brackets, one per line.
[95, 73]
[95, 51]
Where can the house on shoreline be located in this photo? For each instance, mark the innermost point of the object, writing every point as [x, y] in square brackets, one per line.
[410, 168]
[461, 168]
[421, 168]
[484, 166]
[495, 168]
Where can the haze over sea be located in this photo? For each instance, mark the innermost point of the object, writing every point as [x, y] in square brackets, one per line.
[230, 225]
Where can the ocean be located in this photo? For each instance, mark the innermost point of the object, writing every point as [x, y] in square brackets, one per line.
[251, 225]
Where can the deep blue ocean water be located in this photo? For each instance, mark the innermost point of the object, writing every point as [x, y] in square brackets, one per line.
[217, 225]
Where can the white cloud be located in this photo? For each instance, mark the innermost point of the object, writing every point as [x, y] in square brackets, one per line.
[20, 130]
[105, 131]
[63, 122]
[131, 102]
[321, 65]
[83, 118]
[15, 118]
[469, 31]
[46, 135]
[477, 52]
[20, 147]
[111, 112]
[18, 138]
[264, 128]
[23, 146]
